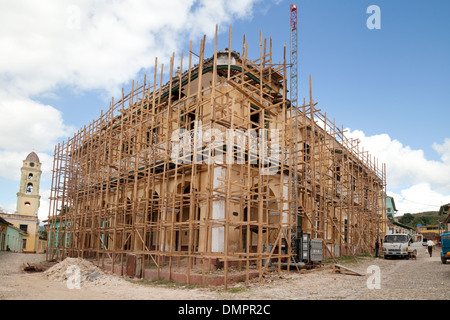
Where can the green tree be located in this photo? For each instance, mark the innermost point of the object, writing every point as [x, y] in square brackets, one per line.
[43, 234]
[407, 218]
[423, 220]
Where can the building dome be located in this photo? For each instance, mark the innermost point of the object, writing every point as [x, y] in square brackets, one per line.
[32, 157]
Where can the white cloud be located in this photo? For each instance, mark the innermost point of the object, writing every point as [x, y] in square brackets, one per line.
[443, 150]
[416, 183]
[27, 125]
[85, 45]
[418, 198]
[406, 166]
[44, 205]
[11, 162]
[100, 44]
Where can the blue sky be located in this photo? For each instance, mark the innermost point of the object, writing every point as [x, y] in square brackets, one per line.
[390, 87]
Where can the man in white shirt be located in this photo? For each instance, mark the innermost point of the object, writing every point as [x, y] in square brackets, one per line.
[430, 245]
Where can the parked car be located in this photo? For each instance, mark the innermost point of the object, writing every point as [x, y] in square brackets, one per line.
[445, 242]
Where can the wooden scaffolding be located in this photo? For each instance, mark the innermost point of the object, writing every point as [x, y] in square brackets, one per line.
[210, 170]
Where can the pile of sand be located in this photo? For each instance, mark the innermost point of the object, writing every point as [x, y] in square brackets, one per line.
[74, 267]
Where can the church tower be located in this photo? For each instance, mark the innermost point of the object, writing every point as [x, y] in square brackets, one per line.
[28, 198]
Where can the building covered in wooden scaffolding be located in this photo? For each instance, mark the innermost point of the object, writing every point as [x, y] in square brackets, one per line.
[213, 169]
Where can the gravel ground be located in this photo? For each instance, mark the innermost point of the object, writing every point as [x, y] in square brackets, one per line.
[423, 279]
[12, 263]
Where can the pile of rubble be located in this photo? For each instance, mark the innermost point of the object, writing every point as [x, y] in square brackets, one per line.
[70, 268]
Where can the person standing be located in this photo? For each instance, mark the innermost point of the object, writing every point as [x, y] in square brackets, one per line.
[430, 245]
[377, 247]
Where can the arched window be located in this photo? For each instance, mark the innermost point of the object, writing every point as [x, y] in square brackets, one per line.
[27, 204]
[30, 176]
[29, 188]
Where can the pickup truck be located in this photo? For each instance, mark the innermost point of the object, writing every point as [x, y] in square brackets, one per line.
[445, 242]
[398, 245]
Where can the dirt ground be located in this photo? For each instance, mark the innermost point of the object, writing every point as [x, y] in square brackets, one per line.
[423, 279]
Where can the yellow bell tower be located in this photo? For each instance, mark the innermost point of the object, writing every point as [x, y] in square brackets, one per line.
[28, 198]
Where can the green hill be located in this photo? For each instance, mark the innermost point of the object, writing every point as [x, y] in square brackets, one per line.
[427, 218]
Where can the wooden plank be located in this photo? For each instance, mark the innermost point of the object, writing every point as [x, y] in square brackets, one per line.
[341, 269]
[303, 271]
